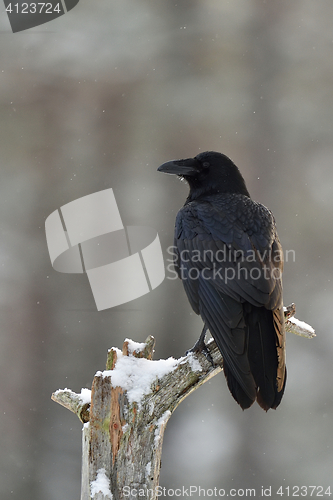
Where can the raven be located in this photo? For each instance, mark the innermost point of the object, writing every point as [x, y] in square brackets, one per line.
[229, 258]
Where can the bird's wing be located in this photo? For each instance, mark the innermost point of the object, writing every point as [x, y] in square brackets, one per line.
[242, 262]
[224, 265]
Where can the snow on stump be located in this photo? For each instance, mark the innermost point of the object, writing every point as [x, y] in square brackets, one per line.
[130, 404]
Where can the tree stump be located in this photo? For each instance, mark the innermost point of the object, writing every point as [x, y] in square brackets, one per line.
[127, 410]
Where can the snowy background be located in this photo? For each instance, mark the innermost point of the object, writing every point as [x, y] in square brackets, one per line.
[101, 97]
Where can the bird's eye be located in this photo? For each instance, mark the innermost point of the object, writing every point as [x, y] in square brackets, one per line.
[206, 164]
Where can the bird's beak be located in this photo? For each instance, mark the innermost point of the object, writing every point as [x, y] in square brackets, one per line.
[188, 167]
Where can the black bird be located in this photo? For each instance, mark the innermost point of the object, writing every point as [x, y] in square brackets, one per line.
[229, 257]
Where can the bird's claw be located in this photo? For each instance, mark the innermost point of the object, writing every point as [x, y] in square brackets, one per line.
[201, 347]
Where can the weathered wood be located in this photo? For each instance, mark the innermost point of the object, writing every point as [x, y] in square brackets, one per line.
[73, 402]
[122, 441]
[129, 434]
[295, 326]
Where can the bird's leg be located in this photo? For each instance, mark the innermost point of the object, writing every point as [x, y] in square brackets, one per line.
[200, 346]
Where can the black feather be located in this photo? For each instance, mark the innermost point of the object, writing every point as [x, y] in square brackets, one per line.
[230, 260]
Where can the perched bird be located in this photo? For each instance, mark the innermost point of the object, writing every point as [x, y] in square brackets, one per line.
[229, 257]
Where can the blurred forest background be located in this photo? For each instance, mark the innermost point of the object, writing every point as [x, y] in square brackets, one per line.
[99, 98]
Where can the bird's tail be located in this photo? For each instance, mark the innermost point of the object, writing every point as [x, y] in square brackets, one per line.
[266, 354]
[245, 392]
[264, 351]
[251, 341]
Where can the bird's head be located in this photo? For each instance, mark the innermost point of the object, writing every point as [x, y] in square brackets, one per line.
[208, 173]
